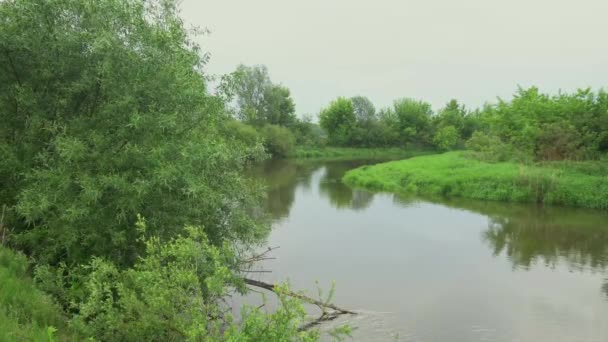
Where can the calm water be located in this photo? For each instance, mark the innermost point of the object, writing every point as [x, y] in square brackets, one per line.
[452, 270]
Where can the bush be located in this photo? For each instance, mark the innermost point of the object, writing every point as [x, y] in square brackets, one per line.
[278, 141]
[558, 141]
[446, 138]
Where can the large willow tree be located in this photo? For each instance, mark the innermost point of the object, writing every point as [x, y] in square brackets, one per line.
[105, 115]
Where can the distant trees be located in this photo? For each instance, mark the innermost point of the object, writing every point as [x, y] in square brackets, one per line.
[543, 127]
[259, 101]
[339, 120]
[531, 126]
[354, 122]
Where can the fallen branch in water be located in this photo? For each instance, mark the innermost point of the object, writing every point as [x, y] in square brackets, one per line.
[325, 316]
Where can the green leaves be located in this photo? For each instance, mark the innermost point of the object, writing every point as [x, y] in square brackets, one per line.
[108, 117]
[339, 120]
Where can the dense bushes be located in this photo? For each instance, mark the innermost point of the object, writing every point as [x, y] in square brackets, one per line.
[26, 313]
[278, 141]
[543, 127]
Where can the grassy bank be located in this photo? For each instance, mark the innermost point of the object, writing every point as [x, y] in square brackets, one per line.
[353, 153]
[26, 314]
[454, 174]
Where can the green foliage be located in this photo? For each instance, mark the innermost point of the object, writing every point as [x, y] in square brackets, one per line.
[454, 174]
[248, 135]
[26, 313]
[259, 101]
[168, 295]
[278, 141]
[308, 133]
[446, 138]
[413, 120]
[106, 115]
[338, 120]
[490, 148]
[279, 107]
[345, 153]
[544, 127]
[364, 109]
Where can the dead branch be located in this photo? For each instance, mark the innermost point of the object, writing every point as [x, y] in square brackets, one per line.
[325, 317]
[271, 287]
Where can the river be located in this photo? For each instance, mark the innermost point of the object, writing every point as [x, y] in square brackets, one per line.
[441, 270]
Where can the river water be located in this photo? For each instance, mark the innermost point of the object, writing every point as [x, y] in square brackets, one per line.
[441, 270]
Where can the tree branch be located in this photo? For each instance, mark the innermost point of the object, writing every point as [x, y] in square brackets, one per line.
[271, 287]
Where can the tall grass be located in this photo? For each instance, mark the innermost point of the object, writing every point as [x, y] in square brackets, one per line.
[26, 314]
[454, 174]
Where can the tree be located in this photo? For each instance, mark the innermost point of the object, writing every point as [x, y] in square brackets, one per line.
[279, 108]
[446, 138]
[259, 101]
[414, 120]
[105, 115]
[250, 88]
[453, 114]
[339, 120]
[364, 109]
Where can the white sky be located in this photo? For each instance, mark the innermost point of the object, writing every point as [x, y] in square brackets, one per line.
[435, 50]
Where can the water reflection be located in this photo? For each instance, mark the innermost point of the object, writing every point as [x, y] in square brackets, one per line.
[530, 234]
[527, 234]
[283, 177]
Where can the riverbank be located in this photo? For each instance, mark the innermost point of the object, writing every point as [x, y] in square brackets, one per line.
[26, 313]
[342, 153]
[455, 174]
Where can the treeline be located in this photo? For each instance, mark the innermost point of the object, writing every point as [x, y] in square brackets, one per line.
[531, 126]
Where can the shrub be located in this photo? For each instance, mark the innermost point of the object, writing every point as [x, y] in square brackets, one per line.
[446, 138]
[278, 141]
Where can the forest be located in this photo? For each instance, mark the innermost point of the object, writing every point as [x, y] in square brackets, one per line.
[126, 210]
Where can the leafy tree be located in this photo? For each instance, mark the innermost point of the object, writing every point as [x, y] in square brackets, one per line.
[541, 126]
[453, 114]
[414, 120]
[259, 101]
[364, 109]
[339, 120]
[106, 115]
[446, 138]
[279, 108]
[250, 86]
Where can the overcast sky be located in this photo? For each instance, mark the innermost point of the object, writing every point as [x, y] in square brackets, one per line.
[471, 50]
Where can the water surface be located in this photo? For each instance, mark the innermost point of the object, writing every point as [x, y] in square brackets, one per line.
[442, 270]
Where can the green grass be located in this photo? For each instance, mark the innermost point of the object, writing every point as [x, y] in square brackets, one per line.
[26, 314]
[455, 174]
[336, 153]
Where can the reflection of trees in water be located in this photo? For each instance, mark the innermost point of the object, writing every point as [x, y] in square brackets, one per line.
[340, 195]
[550, 236]
[283, 177]
[530, 233]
